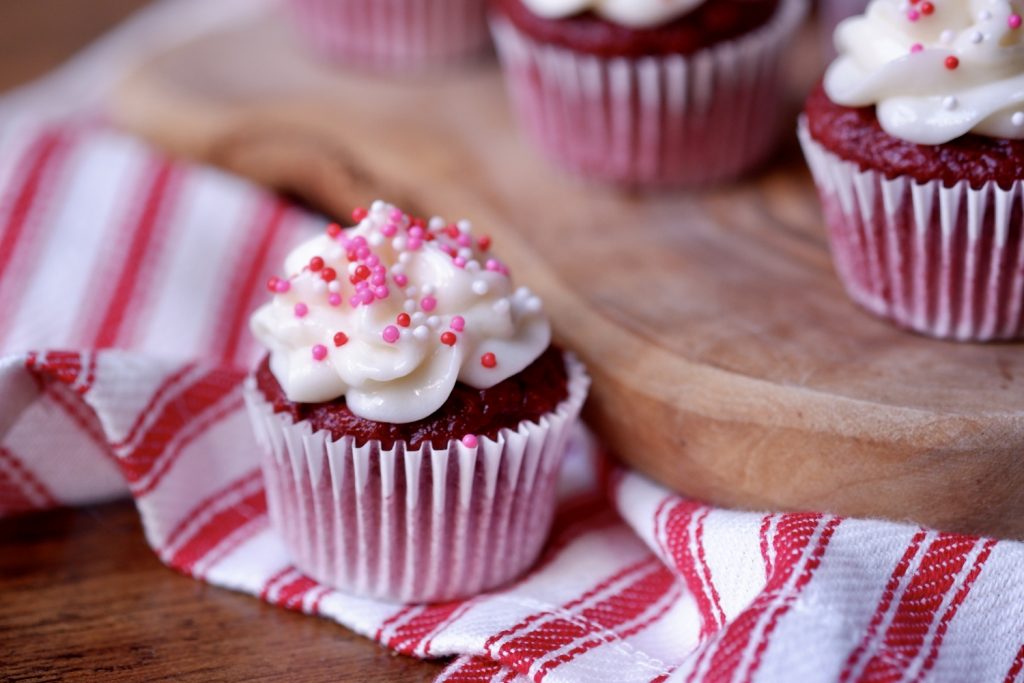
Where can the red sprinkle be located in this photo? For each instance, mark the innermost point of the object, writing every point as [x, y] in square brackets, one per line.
[927, 8]
[448, 338]
[340, 339]
[328, 274]
[484, 242]
[362, 272]
[333, 229]
[452, 230]
[316, 263]
[272, 284]
[488, 360]
[952, 62]
[359, 213]
[404, 320]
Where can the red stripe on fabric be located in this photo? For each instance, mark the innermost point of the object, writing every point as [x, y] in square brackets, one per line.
[676, 541]
[274, 579]
[30, 172]
[918, 607]
[292, 594]
[315, 607]
[763, 533]
[624, 605]
[1016, 667]
[244, 284]
[793, 534]
[780, 610]
[30, 485]
[954, 606]
[472, 670]
[455, 616]
[199, 427]
[177, 413]
[705, 568]
[143, 231]
[164, 387]
[60, 366]
[408, 635]
[393, 619]
[209, 503]
[883, 605]
[217, 530]
[83, 417]
[660, 584]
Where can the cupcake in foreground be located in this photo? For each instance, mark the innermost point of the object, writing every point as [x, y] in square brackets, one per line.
[916, 142]
[393, 35]
[648, 93]
[412, 409]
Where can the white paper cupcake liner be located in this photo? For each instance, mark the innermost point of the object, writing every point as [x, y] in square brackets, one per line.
[398, 35]
[421, 525]
[943, 261]
[652, 121]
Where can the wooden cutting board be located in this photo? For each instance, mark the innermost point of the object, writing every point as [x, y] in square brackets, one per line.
[727, 361]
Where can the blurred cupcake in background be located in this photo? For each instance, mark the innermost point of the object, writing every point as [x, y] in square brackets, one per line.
[648, 93]
[393, 35]
[830, 13]
[916, 142]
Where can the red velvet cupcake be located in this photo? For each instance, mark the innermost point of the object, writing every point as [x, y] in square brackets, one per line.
[916, 143]
[648, 93]
[393, 35]
[412, 410]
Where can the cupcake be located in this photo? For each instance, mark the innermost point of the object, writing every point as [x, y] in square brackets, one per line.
[412, 410]
[831, 12]
[648, 93]
[398, 35]
[916, 142]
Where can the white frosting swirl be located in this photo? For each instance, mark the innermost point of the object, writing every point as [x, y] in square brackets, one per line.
[936, 70]
[431, 310]
[631, 13]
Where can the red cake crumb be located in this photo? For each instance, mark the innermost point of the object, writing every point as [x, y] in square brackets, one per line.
[526, 396]
[713, 22]
[854, 134]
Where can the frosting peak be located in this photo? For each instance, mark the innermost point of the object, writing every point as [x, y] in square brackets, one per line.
[631, 13]
[936, 69]
[392, 313]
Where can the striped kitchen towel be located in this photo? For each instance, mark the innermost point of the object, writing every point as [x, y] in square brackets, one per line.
[125, 284]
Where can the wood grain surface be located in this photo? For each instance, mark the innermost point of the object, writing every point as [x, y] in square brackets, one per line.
[728, 362]
[82, 597]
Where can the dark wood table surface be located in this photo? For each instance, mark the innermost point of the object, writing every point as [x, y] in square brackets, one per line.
[81, 595]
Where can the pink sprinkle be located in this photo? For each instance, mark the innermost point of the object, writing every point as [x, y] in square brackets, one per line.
[916, 47]
[334, 299]
[362, 253]
[301, 310]
[469, 441]
[358, 241]
[493, 265]
[459, 262]
[354, 300]
[378, 280]
[1014, 21]
[362, 286]
[913, 15]
[389, 230]
[401, 279]
[373, 261]
[366, 297]
[428, 303]
[382, 292]
[390, 334]
[319, 352]
[464, 240]
[416, 231]
[414, 244]
[448, 249]
[282, 286]
[396, 214]
[458, 323]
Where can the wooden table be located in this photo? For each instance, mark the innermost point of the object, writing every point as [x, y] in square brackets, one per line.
[81, 594]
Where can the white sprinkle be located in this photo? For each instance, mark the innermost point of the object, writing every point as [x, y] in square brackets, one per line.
[419, 317]
[480, 287]
[319, 286]
[352, 268]
[522, 293]
[465, 252]
[421, 332]
[435, 223]
[533, 305]
[949, 103]
[409, 305]
[947, 36]
[334, 287]
[464, 225]
[984, 15]
[976, 37]
[434, 321]
[404, 257]
[428, 290]
[377, 206]
[1018, 118]
[411, 292]
[502, 306]
[397, 269]
[473, 266]
[398, 244]
[375, 239]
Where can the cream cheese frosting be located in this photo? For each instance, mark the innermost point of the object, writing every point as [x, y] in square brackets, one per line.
[631, 13]
[936, 69]
[393, 312]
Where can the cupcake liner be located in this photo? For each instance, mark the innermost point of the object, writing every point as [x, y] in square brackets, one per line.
[944, 261]
[393, 34]
[652, 121]
[422, 525]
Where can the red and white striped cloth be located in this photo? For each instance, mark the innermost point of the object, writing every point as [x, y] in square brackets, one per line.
[146, 269]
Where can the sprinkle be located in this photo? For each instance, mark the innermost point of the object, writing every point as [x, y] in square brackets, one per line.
[272, 284]
[488, 360]
[464, 240]
[947, 36]
[428, 303]
[1018, 118]
[316, 263]
[927, 8]
[984, 15]
[403, 320]
[334, 287]
[362, 252]
[484, 242]
[401, 279]
[434, 321]
[376, 239]
[333, 229]
[366, 297]
[448, 338]
[976, 37]
[334, 299]
[913, 15]
[381, 292]
[458, 323]
[416, 231]
[391, 334]
[340, 339]
[428, 290]
[389, 230]
[1014, 21]
[916, 47]
[319, 352]
[534, 304]
[409, 305]
[328, 274]
[493, 265]
[414, 244]
[396, 215]
[464, 226]
[301, 310]
[502, 306]
[952, 62]
[358, 214]
[459, 262]
[378, 280]
[469, 441]
[949, 103]
[421, 332]
[361, 273]
[480, 287]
